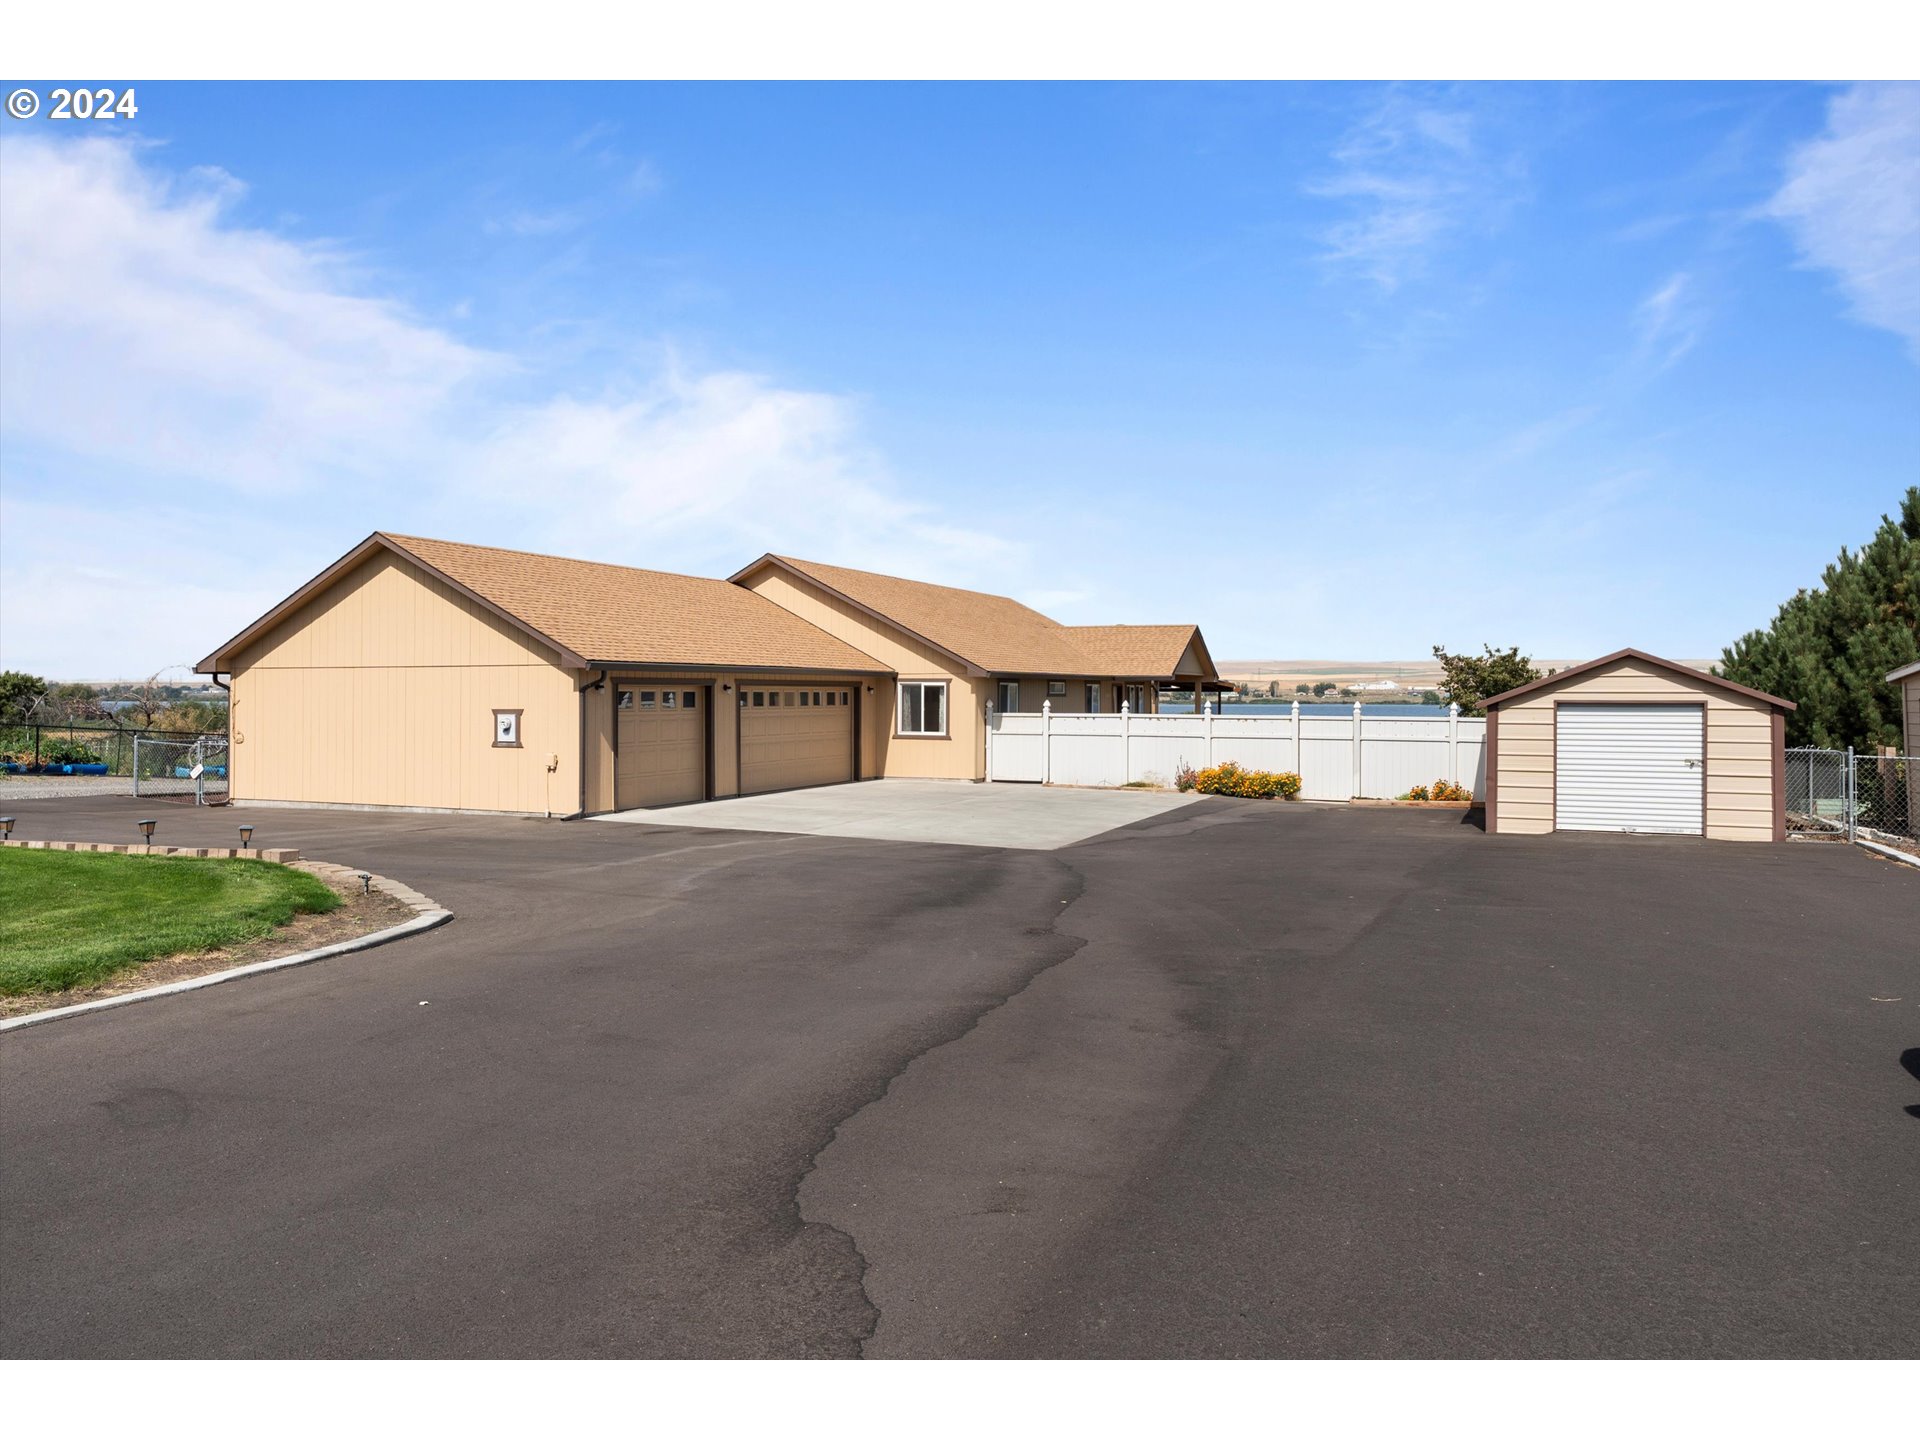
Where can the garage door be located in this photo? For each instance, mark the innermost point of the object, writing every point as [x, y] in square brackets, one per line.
[660, 745]
[795, 735]
[1630, 767]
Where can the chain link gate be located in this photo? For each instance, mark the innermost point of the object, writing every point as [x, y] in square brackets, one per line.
[196, 767]
[1847, 795]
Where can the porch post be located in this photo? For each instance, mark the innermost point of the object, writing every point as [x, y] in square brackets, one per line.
[1356, 751]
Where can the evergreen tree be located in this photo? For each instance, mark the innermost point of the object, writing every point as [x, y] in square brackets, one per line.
[1830, 648]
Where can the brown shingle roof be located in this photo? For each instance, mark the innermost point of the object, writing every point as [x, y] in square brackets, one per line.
[995, 633]
[1135, 649]
[646, 617]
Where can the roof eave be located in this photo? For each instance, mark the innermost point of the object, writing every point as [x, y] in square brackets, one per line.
[212, 664]
[968, 667]
[1672, 667]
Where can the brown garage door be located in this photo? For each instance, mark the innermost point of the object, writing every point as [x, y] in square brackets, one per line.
[660, 745]
[795, 735]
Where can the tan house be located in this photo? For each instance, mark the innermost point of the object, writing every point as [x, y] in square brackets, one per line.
[426, 674]
[1634, 743]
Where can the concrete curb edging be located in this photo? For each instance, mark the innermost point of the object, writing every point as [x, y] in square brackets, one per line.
[1889, 852]
[427, 915]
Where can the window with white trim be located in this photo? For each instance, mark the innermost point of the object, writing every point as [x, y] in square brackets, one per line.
[922, 709]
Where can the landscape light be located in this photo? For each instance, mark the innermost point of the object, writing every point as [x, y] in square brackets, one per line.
[146, 829]
[6, 827]
[246, 837]
[366, 882]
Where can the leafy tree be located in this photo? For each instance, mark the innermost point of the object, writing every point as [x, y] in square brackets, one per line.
[18, 691]
[1303, 688]
[1829, 648]
[1429, 697]
[1472, 679]
[1325, 687]
[72, 702]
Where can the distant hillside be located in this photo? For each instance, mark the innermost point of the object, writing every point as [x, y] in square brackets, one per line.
[1408, 674]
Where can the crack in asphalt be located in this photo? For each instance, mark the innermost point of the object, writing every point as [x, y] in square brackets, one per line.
[1077, 886]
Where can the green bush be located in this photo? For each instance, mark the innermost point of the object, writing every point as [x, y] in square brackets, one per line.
[1230, 779]
[67, 752]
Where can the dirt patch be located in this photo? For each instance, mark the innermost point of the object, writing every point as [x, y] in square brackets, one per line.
[359, 915]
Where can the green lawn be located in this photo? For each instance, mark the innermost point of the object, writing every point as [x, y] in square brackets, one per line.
[70, 917]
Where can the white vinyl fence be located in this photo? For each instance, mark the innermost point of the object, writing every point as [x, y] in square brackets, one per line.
[1337, 757]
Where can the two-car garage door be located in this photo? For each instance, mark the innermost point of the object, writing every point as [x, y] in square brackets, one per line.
[790, 736]
[795, 735]
[1630, 767]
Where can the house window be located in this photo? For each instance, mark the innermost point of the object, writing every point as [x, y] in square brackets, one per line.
[686, 699]
[1009, 702]
[1137, 699]
[669, 701]
[1093, 697]
[759, 698]
[506, 729]
[646, 700]
[923, 707]
[1056, 687]
[624, 699]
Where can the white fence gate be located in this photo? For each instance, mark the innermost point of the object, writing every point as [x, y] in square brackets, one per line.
[1337, 757]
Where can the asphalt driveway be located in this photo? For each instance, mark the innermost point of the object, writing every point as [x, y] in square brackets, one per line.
[1238, 1079]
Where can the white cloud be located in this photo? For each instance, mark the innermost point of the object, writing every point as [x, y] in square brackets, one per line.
[1852, 201]
[1668, 322]
[198, 414]
[1414, 172]
[140, 329]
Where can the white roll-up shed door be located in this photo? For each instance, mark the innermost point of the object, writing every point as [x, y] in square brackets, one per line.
[1630, 767]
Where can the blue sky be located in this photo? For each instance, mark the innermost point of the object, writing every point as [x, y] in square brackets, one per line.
[1335, 371]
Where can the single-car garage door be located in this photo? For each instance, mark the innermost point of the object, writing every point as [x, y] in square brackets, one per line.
[792, 736]
[1630, 767]
[660, 745]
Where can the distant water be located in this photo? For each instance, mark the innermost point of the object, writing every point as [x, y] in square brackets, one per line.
[1284, 707]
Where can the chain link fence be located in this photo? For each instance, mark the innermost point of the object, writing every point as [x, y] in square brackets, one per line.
[1848, 795]
[194, 766]
[80, 749]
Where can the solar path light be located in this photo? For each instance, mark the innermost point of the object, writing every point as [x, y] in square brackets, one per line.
[146, 829]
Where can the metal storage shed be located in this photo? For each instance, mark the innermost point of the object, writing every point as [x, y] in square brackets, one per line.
[1635, 744]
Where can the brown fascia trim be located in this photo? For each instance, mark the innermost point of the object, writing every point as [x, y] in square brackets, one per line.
[1671, 667]
[379, 541]
[1493, 772]
[1779, 777]
[967, 666]
[715, 667]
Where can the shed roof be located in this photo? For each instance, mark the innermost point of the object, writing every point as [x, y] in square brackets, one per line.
[1573, 672]
[1905, 672]
[593, 613]
[996, 634]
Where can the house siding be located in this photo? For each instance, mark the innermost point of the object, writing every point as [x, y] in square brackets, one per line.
[380, 690]
[1739, 757]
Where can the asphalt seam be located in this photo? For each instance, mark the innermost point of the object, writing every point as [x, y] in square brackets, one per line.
[1075, 945]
